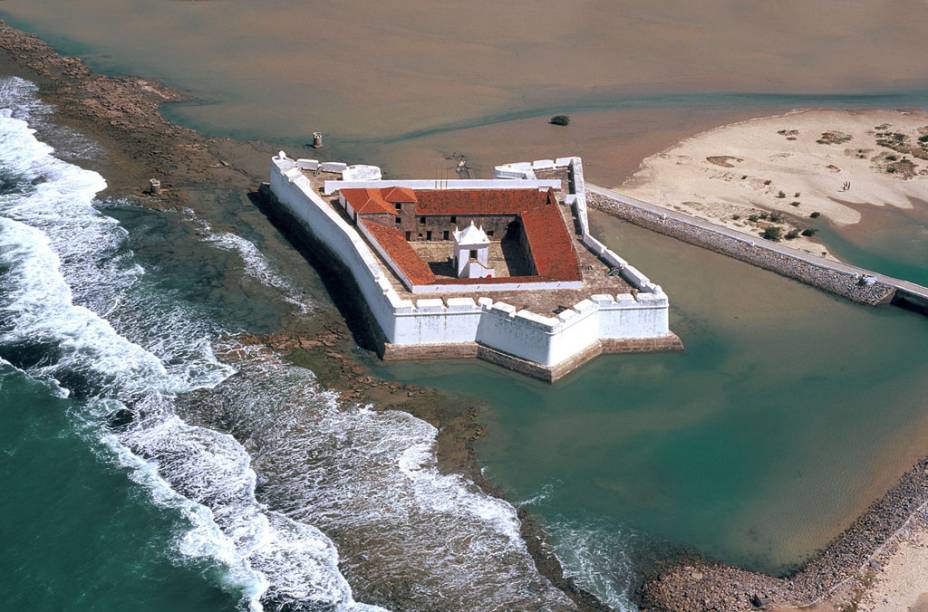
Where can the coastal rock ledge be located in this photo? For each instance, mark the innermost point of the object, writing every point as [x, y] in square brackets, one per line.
[837, 574]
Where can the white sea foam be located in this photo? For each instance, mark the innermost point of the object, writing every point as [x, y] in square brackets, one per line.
[596, 557]
[372, 477]
[52, 239]
[418, 536]
[258, 267]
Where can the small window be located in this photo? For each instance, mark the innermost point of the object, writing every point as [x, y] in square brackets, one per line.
[445, 235]
[398, 220]
[408, 236]
[399, 206]
[490, 234]
[422, 220]
[454, 219]
[428, 235]
[473, 254]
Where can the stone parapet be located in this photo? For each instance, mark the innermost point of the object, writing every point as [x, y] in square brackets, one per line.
[545, 347]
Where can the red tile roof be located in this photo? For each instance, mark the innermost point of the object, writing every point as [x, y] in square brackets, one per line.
[368, 201]
[551, 246]
[548, 237]
[478, 201]
[393, 242]
[395, 195]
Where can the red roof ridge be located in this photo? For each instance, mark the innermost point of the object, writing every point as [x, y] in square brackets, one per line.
[402, 254]
[547, 233]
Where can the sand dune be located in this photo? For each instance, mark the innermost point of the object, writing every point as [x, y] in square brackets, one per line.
[794, 165]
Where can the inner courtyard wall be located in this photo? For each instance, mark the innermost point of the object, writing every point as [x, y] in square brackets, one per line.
[546, 341]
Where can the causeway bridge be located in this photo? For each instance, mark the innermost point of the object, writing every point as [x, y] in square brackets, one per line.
[849, 281]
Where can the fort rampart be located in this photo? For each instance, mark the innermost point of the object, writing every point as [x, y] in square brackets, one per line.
[546, 347]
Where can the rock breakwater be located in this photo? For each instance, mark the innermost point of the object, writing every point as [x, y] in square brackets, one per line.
[835, 574]
[851, 285]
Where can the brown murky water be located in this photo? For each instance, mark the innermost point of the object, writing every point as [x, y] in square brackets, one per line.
[408, 85]
[368, 72]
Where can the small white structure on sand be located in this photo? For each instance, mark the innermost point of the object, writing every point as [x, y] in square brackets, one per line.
[472, 252]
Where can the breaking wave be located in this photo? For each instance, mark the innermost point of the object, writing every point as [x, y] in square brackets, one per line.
[49, 230]
[258, 267]
[597, 558]
[264, 464]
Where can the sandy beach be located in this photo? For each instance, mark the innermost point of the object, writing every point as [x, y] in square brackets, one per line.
[123, 115]
[783, 174]
[899, 579]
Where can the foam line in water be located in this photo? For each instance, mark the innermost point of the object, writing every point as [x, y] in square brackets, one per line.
[258, 267]
[52, 237]
[413, 535]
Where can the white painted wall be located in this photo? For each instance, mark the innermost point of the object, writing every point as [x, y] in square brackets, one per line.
[333, 186]
[547, 341]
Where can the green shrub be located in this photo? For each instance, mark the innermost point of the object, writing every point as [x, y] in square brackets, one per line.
[809, 231]
[780, 194]
[560, 120]
[792, 234]
[735, 217]
[923, 138]
[816, 215]
[794, 203]
[774, 232]
[754, 218]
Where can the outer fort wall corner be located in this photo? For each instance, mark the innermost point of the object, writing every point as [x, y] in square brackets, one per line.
[550, 342]
[296, 194]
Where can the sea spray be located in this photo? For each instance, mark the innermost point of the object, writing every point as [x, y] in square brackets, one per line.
[203, 472]
[255, 454]
[371, 479]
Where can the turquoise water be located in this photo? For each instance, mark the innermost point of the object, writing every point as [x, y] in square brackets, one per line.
[889, 240]
[788, 412]
[141, 470]
[77, 534]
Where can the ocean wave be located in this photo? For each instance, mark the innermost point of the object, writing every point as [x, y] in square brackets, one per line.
[258, 267]
[52, 239]
[370, 478]
[265, 464]
[598, 559]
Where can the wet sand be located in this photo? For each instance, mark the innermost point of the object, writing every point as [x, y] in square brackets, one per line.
[376, 71]
[611, 143]
[193, 162]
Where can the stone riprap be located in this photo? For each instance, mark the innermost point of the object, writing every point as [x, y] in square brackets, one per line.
[833, 574]
[852, 283]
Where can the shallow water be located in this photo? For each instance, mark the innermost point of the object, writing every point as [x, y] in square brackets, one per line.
[788, 413]
[889, 240]
[248, 485]
[372, 70]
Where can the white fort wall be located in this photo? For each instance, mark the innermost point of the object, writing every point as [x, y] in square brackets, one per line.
[545, 341]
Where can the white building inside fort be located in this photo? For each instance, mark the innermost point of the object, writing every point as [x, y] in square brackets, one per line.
[503, 269]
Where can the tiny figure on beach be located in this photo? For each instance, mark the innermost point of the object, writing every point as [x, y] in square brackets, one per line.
[462, 168]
